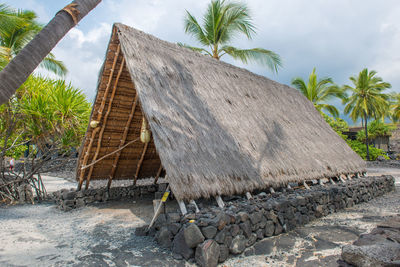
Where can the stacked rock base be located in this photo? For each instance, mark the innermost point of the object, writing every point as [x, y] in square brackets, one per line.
[72, 199]
[211, 235]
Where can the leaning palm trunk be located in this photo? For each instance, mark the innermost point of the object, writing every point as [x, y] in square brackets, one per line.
[19, 69]
[366, 134]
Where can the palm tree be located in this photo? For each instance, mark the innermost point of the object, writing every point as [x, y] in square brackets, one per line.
[394, 109]
[223, 21]
[367, 98]
[319, 92]
[18, 28]
[32, 54]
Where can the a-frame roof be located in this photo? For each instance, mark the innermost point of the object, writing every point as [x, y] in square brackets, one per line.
[217, 129]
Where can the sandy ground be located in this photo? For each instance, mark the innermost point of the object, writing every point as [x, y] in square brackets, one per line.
[103, 234]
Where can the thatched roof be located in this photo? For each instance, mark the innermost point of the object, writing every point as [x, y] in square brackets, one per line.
[217, 129]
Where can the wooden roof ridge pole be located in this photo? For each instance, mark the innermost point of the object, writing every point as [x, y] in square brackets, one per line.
[123, 140]
[98, 117]
[139, 165]
[103, 127]
[158, 174]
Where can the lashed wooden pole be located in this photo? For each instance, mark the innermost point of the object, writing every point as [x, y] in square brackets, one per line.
[139, 165]
[98, 117]
[123, 140]
[100, 139]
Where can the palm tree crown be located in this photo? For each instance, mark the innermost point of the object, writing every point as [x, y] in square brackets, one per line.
[367, 99]
[17, 28]
[319, 91]
[222, 22]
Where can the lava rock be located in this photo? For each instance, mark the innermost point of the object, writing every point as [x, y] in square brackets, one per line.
[179, 246]
[164, 237]
[209, 231]
[193, 235]
[238, 244]
[207, 253]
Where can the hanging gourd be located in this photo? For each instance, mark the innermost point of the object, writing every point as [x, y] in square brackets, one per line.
[94, 123]
[145, 132]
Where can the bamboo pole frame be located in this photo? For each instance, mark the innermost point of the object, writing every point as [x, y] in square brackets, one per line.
[99, 113]
[123, 140]
[139, 165]
[103, 127]
[158, 174]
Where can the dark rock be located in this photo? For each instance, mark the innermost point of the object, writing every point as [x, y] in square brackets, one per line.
[269, 229]
[260, 233]
[228, 240]
[173, 217]
[223, 253]
[246, 227]
[278, 229]
[255, 217]
[164, 237]
[238, 244]
[180, 247]
[220, 237]
[207, 253]
[235, 229]
[174, 228]
[193, 235]
[271, 216]
[252, 239]
[378, 254]
[209, 231]
[243, 216]
[68, 195]
[264, 247]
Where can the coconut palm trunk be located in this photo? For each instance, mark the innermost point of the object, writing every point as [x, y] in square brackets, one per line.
[22, 65]
[366, 134]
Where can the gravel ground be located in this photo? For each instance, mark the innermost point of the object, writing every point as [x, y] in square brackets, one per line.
[103, 234]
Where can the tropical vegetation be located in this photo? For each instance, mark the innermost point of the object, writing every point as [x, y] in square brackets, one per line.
[319, 92]
[367, 99]
[222, 22]
[17, 29]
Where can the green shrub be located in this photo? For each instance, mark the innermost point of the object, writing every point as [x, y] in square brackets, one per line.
[375, 129]
[361, 149]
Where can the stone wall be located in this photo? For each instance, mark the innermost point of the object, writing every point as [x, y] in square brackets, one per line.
[213, 234]
[72, 199]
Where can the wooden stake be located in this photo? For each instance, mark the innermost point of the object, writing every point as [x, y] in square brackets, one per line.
[306, 185]
[99, 114]
[357, 175]
[271, 190]
[320, 182]
[158, 210]
[182, 207]
[248, 195]
[195, 206]
[341, 178]
[288, 186]
[220, 202]
[348, 176]
[331, 181]
[139, 165]
[103, 127]
[158, 174]
[123, 140]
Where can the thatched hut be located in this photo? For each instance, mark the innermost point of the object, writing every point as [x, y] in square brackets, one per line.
[216, 129]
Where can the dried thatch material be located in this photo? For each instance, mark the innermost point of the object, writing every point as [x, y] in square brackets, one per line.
[218, 129]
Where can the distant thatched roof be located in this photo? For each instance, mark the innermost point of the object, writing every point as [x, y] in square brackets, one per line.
[217, 129]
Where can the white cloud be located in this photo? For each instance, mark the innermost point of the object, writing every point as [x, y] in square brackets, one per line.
[92, 36]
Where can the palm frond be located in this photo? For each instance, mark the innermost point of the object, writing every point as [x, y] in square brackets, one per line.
[259, 55]
[196, 49]
[193, 28]
[51, 64]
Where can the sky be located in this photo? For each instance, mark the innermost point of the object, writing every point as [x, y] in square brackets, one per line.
[337, 37]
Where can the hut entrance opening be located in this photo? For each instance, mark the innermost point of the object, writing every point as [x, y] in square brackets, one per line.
[112, 146]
